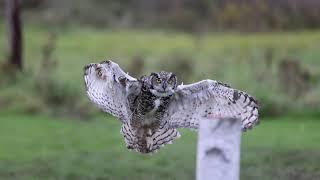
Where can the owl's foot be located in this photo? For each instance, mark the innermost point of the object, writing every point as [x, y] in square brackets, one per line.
[130, 147]
[149, 143]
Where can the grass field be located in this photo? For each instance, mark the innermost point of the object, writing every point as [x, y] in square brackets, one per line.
[234, 58]
[40, 147]
[78, 46]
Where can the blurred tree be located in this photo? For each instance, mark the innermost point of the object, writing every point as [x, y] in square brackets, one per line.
[15, 34]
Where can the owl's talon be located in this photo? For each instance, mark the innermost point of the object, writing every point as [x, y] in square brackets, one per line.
[130, 147]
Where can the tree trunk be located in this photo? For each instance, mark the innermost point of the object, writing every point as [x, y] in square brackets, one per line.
[14, 34]
[218, 154]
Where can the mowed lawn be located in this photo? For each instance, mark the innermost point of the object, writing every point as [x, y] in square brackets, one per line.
[40, 147]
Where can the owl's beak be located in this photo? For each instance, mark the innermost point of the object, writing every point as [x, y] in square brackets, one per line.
[164, 86]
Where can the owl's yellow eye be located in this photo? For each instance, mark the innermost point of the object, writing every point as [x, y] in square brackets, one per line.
[158, 81]
[170, 81]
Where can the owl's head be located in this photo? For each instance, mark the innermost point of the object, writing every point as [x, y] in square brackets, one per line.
[163, 83]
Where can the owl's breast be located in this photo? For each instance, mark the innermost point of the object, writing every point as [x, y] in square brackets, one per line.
[153, 115]
[150, 110]
[156, 105]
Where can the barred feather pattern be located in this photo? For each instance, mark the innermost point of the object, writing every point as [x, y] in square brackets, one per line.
[164, 135]
[212, 100]
[104, 89]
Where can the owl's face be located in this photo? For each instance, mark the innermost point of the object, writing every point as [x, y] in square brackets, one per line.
[163, 84]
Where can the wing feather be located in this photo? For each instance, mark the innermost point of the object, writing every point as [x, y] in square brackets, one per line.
[106, 89]
[213, 100]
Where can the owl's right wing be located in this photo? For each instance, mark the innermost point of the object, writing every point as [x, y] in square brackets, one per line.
[105, 84]
[209, 99]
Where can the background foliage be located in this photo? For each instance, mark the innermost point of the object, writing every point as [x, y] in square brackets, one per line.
[185, 15]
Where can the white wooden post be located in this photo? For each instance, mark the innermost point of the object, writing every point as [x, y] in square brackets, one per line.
[218, 153]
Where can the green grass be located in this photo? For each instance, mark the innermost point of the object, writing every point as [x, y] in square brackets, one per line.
[234, 58]
[40, 147]
[78, 46]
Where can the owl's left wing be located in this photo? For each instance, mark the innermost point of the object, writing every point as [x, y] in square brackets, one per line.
[107, 86]
[212, 100]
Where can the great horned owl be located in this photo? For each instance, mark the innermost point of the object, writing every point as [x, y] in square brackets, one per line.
[153, 107]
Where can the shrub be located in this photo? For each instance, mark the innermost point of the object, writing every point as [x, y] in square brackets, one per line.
[180, 64]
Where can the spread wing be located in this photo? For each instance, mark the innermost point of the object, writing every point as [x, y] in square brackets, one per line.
[213, 100]
[105, 84]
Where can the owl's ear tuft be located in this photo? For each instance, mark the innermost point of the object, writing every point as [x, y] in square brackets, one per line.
[173, 75]
[154, 74]
[142, 78]
[175, 79]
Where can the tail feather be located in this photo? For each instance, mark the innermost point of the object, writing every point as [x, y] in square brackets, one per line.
[129, 136]
[164, 136]
[158, 139]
